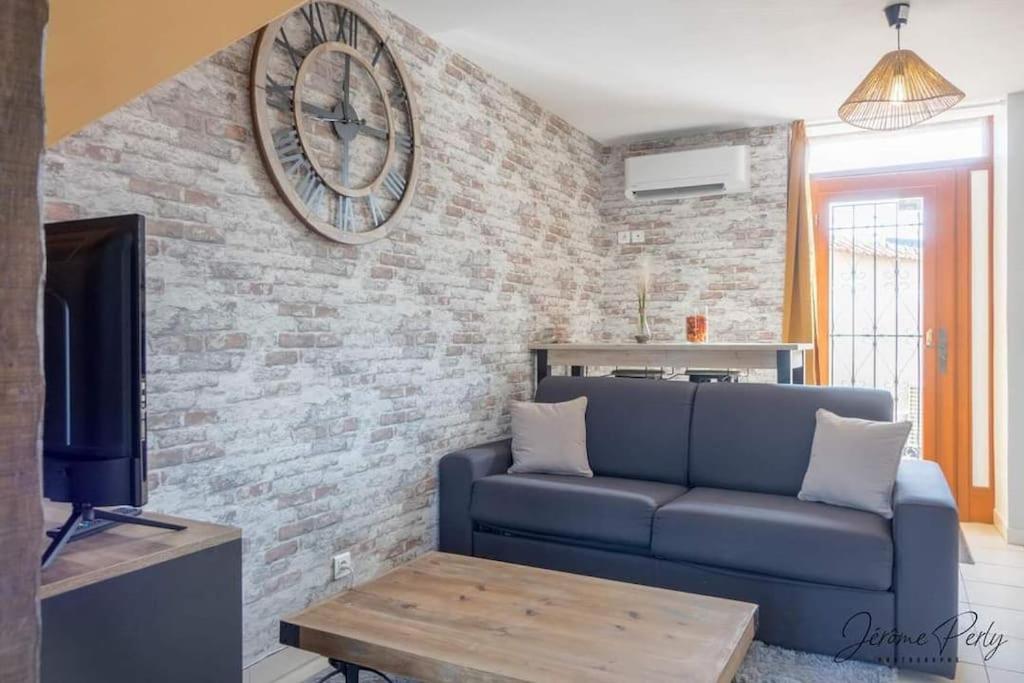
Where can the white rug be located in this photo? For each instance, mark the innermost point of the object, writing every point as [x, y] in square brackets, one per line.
[764, 664]
[769, 664]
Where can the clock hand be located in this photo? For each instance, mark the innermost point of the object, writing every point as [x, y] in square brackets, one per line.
[402, 140]
[374, 132]
[321, 113]
[347, 85]
[345, 109]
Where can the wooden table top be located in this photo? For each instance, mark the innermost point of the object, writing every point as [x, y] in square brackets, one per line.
[122, 549]
[453, 618]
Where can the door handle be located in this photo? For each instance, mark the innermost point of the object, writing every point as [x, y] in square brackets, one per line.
[941, 347]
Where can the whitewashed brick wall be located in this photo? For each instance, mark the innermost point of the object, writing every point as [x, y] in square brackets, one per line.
[304, 390]
[726, 253]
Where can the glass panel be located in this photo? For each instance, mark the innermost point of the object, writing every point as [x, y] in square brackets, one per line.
[842, 216]
[864, 215]
[885, 364]
[886, 215]
[842, 284]
[864, 362]
[909, 242]
[875, 301]
[908, 398]
[842, 361]
[888, 300]
[921, 144]
[864, 277]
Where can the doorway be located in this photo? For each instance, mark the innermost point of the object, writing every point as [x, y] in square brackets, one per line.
[893, 255]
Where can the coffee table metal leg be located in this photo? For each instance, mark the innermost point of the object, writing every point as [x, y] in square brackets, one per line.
[351, 671]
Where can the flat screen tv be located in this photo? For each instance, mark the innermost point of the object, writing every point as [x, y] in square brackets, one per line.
[94, 422]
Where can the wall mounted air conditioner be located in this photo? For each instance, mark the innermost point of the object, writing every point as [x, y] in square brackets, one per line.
[694, 173]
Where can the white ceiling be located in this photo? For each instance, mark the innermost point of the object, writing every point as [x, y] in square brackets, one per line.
[627, 68]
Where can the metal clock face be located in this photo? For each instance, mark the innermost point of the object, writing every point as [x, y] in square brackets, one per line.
[335, 121]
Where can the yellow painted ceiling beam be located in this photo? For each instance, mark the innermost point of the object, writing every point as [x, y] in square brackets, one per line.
[101, 54]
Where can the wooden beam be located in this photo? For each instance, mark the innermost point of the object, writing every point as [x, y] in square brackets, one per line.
[21, 381]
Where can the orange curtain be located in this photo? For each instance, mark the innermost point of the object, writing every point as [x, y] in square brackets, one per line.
[800, 303]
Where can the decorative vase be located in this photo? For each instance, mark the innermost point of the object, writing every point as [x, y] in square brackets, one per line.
[643, 329]
[697, 329]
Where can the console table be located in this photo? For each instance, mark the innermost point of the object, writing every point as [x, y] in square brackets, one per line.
[785, 359]
[134, 603]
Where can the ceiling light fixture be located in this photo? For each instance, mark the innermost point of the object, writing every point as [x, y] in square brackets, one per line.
[902, 90]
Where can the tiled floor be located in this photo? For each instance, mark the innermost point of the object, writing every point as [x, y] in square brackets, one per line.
[994, 588]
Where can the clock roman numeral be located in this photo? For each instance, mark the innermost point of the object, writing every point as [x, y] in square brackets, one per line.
[399, 96]
[340, 14]
[295, 55]
[348, 27]
[395, 184]
[404, 142]
[375, 210]
[377, 53]
[310, 186]
[312, 14]
[346, 213]
[279, 96]
[287, 144]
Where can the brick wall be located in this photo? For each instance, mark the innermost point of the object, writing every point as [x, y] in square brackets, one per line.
[304, 390]
[725, 253]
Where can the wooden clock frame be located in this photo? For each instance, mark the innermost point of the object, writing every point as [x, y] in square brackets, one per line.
[280, 176]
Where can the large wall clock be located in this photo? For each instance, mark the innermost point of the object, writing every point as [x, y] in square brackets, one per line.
[335, 121]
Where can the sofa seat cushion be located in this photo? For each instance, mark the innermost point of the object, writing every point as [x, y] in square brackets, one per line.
[778, 536]
[606, 510]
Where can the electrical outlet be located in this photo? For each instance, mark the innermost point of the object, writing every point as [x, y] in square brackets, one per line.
[624, 237]
[341, 567]
[636, 237]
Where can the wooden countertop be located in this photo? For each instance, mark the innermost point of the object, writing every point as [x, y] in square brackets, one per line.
[684, 346]
[122, 549]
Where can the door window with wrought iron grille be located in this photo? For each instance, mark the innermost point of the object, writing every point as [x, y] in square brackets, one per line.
[875, 301]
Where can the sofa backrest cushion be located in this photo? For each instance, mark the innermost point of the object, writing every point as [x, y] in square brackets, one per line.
[636, 428]
[757, 437]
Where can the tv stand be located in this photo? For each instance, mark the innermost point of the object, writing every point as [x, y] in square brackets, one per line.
[137, 603]
[84, 513]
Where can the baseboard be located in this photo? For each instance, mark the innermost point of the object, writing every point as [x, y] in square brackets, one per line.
[999, 523]
[287, 665]
[1011, 535]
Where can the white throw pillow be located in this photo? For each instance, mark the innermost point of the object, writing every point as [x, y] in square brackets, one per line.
[854, 462]
[550, 438]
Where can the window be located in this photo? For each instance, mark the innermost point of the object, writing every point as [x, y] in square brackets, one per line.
[938, 142]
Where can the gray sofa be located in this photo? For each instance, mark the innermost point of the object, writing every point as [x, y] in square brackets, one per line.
[695, 489]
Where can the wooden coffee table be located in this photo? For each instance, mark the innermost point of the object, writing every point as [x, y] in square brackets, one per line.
[463, 619]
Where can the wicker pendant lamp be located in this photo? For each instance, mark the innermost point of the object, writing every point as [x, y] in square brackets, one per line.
[902, 90]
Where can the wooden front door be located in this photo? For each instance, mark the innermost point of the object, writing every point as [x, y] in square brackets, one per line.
[895, 292]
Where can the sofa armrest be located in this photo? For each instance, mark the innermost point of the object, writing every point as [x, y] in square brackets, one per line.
[926, 542]
[456, 474]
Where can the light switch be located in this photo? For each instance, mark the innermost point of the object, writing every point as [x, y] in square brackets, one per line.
[624, 237]
[636, 237]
